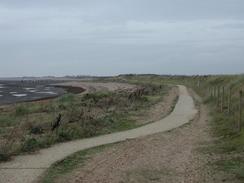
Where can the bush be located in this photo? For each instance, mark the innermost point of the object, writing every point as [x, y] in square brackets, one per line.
[69, 133]
[36, 130]
[30, 145]
[95, 97]
[4, 156]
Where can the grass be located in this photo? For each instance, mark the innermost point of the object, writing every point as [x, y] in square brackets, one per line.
[67, 165]
[229, 142]
[235, 166]
[7, 120]
[82, 117]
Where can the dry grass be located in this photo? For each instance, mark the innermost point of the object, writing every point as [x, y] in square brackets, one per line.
[27, 127]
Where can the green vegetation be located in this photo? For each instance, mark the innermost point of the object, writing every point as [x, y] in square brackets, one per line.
[224, 123]
[27, 127]
[229, 143]
[65, 166]
[229, 140]
[235, 166]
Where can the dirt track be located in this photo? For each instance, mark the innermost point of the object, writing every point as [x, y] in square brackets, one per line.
[26, 169]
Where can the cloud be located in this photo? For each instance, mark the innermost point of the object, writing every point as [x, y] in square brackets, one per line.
[110, 37]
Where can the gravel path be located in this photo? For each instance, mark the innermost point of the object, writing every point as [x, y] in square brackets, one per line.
[27, 168]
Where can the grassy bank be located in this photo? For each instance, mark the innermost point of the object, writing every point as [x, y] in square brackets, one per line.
[28, 127]
[61, 168]
[229, 144]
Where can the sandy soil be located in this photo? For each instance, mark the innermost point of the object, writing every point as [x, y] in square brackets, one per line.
[27, 168]
[169, 157]
[96, 86]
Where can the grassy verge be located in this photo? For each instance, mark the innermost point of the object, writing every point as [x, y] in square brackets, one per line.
[67, 165]
[229, 143]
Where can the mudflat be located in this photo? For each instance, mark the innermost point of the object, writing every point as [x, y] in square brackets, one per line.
[23, 91]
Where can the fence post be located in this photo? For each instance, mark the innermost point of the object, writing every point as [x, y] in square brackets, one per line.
[229, 101]
[218, 96]
[223, 99]
[240, 111]
[216, 92]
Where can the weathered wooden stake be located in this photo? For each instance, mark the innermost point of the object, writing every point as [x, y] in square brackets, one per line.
[229, 101]
[240, 112]
[218, 96]
[216, 92]
[198, 84]
[223, 99]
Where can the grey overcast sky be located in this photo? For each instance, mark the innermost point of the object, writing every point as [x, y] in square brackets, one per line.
[109, 37]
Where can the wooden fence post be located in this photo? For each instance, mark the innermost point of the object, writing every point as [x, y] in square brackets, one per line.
[223, 99]
[240, 111]
[229, 101]
[218, 96]
[216, 92]
[213, 91]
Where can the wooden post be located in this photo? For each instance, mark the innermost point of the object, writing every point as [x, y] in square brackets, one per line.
[218, 96]
[216, 91]
[223, 99]
[229, 101]
[240, 111]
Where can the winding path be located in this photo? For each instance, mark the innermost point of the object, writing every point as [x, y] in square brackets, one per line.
[27, 168]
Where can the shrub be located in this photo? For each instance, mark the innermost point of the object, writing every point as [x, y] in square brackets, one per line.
[69, 133]
[5, 154]
[4, 157]
[36, 130]
[95, 97]
[30, 145]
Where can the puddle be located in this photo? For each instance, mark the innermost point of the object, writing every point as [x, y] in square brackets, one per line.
[33, 91]
[19, 95]
[12, 92]
[29, 89]
[48, 92]
[47, 88]
[0, 95]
